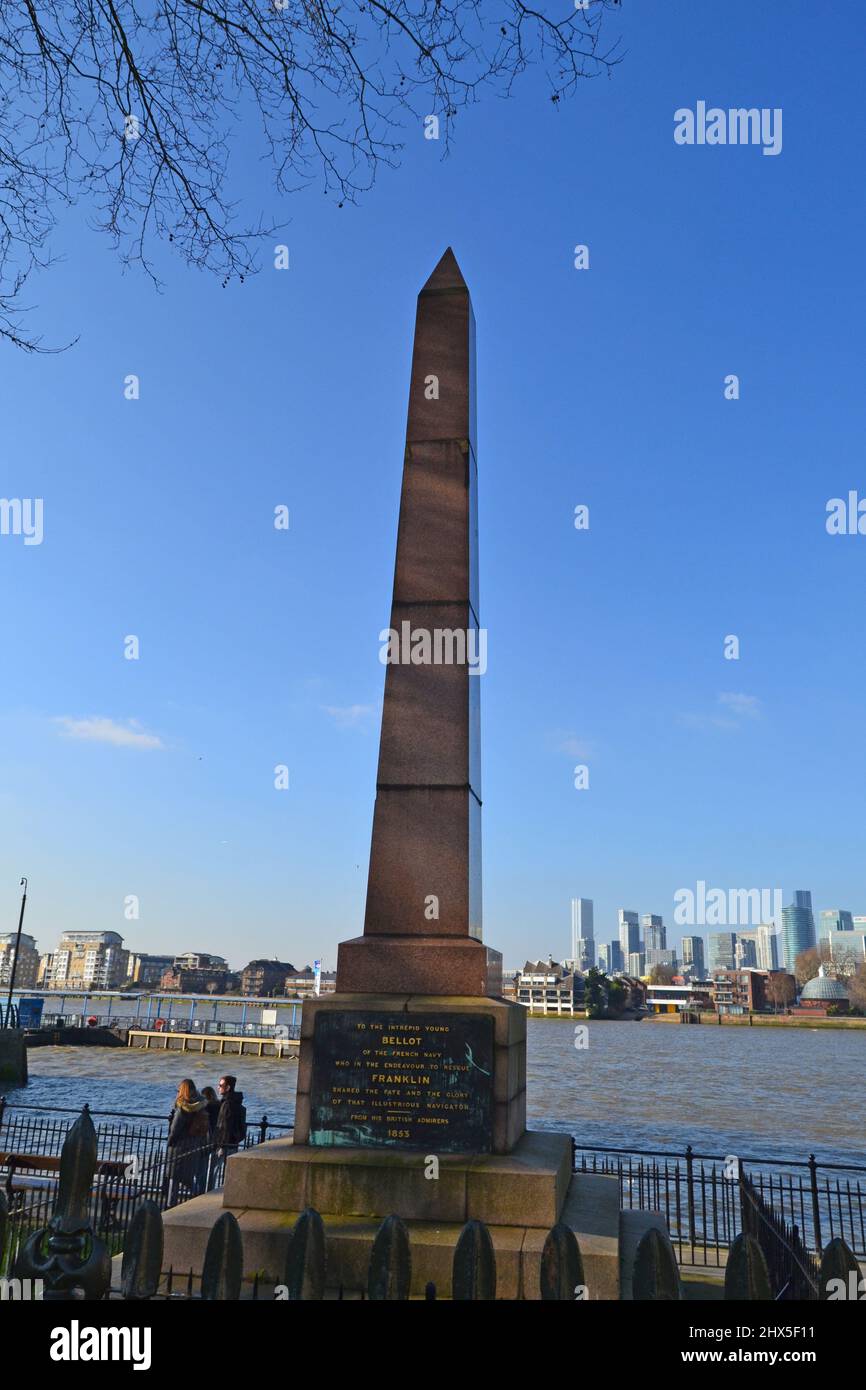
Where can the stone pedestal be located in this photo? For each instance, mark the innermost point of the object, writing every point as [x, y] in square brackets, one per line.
[407, 1096]
[519, 1196]
[419, 965]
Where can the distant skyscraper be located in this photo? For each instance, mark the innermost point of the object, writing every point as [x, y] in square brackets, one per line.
[723, 948]
[660, 956]
[654, 936]
[617, 962]
[766, 938]
[636, 964]
[798, 928]
[585, 953]
[693, 955]
[604, 959]
[834, 919]
[582, 934]
[746, 952]
[847, 949]
[629, 932]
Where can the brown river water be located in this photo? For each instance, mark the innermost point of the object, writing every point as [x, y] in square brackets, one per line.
[760, 1092]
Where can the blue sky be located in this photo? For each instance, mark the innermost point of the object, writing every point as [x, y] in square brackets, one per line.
[603, 387]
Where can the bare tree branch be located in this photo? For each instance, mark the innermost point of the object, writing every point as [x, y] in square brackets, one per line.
[130, 106]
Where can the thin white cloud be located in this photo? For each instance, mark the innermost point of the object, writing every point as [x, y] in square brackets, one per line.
[745, 706]
[572, 745]
[350, 716]
[100, 730]
[735, 709]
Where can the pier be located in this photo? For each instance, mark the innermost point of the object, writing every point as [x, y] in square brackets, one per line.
[223, 1044]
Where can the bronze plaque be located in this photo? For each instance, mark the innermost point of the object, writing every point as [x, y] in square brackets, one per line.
[403, 1081]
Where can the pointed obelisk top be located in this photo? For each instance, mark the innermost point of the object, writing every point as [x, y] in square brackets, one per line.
[446, 276]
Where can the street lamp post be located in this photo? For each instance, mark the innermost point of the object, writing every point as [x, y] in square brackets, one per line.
[13, 972]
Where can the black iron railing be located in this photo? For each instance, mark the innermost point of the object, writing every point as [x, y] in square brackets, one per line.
[793, 1270]
[699, 1196]
[133, 1164]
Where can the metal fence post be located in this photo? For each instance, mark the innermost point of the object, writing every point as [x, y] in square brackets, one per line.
[690, 1190]
[816, 1210]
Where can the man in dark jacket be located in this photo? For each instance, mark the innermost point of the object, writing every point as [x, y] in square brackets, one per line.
[231, 1125]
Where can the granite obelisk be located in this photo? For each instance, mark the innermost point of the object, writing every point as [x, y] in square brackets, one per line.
[422, 926]
[415, 1057]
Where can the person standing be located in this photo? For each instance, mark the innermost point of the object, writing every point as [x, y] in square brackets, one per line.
[188, 1139]
[213, 1106]
[231, 1125]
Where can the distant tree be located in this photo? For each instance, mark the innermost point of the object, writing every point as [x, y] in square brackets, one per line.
[132, 106]
[808, 963]
[662, 974]
[595, 993]
[857, 988]
[617, 996]
[781, 989]
[843, 960]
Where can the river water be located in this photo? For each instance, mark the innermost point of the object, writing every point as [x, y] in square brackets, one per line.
[756, 1092]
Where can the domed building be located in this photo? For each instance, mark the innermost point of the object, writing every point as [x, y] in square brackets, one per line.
[824, 992]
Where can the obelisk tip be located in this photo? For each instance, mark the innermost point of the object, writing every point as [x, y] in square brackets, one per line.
[446, 276]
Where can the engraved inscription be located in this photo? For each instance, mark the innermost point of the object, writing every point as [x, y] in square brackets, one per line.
[408, 1082]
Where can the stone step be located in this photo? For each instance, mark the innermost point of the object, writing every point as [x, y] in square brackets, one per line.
[591, 1209]
[526, 1187]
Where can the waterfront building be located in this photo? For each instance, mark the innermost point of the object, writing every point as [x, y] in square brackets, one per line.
[798, 928]
[693, 955]
[27, 969]
[743, 991]
[196, 972]
[722, 950]
[545, 987]
[582, 932]
[88, 960]
[303, 982]
[823, 994]
[635, 989]
[654, 933]
[629, 933]
[265, 977]
[199, 960]
[673, 998]
[146, 969]
[746, 949]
